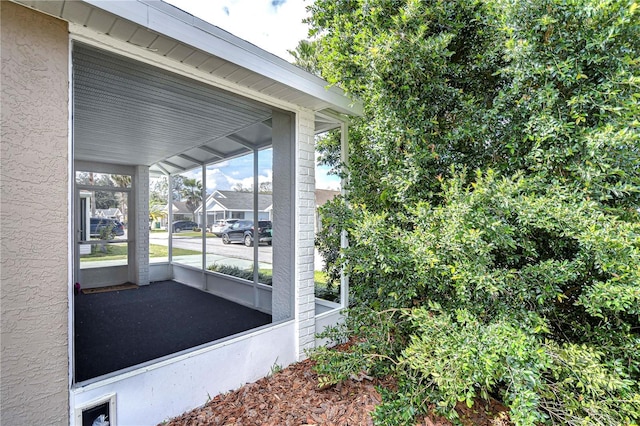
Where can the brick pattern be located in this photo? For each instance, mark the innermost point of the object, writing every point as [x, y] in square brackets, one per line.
[141, 225]
[305, 207]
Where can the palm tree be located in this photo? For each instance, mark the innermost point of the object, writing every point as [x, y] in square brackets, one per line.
[122, 181]
[157, 211]
[192, 193]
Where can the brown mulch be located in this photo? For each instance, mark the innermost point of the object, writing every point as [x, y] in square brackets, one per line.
[120, 287]
[292, 397]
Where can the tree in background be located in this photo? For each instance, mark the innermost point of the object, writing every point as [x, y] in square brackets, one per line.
[304, 56]
[191, 193]
[520, 280]
[265, 187]
[122, 181]
[159, 190]
[177, 187]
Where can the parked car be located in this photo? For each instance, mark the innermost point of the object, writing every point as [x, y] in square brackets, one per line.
[98, 224]
[181, 225]
[218, 228]
[242, 232]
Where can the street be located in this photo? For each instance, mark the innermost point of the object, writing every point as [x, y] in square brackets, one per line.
[214, 246]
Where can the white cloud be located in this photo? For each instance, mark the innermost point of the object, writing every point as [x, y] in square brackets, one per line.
[225, 180]
[272, 28]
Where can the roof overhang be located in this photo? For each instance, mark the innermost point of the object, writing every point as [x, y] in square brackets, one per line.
[167, 31]
[174, 92]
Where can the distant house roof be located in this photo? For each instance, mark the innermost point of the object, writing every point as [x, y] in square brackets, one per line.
[237, 201]
[324, 195]
[180, 207]
[113, 212]
[243, 201]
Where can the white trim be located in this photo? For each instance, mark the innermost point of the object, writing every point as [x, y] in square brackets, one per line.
[344, 239]
[110, 398]
[71, 235]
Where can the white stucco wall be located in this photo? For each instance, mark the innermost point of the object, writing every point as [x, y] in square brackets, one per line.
[158, 391]
[34, 218]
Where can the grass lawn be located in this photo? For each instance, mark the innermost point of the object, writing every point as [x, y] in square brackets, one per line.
[323, 291]
[119, 252]
[320, 278]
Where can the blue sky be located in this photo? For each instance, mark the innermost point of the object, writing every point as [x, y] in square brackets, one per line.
[275, 26]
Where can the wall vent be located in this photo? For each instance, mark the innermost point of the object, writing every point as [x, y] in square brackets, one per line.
[99, 412]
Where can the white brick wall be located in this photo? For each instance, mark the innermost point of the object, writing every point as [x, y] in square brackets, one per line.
[140, 227]
[305, 202]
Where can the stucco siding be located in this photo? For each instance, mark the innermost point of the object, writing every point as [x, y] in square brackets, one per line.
[34, 217]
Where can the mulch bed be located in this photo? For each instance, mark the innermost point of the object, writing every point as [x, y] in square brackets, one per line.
[120, 287]
[292, 397]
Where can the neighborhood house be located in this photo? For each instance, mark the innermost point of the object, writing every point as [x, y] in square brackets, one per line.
[222, 205]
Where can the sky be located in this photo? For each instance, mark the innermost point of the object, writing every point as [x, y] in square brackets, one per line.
[275, 26]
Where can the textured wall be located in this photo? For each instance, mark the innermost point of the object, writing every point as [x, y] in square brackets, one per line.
[34, 218]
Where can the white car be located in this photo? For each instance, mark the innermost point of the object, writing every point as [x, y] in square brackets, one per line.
[218, 227]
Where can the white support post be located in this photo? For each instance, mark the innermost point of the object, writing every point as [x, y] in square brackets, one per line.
[344, 242]
[203, 224]
[256, 236]
[305, 220]
[170, 217]
[138, 227]
[285, 221]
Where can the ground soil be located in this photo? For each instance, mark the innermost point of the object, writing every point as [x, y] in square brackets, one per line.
[292, 397]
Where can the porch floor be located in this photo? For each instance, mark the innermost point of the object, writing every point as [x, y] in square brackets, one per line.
[120, 329]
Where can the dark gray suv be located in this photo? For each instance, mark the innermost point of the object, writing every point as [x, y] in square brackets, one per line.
[242, 232]
[103, 224]
[181, 225]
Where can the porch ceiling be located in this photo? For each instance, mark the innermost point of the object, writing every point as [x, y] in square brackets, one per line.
[128, 112]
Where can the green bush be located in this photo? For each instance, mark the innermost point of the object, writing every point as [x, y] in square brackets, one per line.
[334, 214]
[246, 274]
[521, 284]
[321, 291]
[511, 288]
[107, 232]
